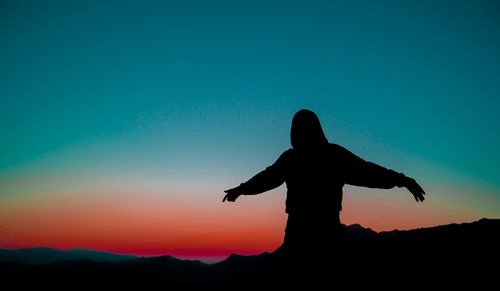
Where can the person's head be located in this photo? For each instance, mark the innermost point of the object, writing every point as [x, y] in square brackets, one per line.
[306, 132]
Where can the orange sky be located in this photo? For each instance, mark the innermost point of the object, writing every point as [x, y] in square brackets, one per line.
[156, 223]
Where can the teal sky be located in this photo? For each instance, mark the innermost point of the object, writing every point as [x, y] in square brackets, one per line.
[201, 93]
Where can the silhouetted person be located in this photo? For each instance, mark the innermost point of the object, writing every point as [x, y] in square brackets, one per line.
[315, 171]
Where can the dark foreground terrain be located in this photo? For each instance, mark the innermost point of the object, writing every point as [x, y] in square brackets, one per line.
[448, 256]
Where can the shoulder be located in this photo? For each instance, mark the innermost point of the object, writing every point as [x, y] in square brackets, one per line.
[336, 148]
[288, 153]
[339, 150]
[284, 158]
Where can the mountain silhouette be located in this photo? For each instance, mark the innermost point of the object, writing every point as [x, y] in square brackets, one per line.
[454, 255]
[41, 255]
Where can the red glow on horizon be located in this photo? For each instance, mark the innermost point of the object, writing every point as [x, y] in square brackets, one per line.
[156, 225]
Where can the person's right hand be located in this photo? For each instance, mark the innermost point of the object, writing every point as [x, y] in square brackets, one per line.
[415, 189]
[232, 194]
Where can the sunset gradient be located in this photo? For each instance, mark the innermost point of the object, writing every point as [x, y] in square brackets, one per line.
[122, 122]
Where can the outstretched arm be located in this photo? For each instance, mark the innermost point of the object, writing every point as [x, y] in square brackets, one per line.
[362, 173]
[272, 177]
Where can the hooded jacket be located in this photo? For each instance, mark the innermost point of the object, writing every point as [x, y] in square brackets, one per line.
[315, 172]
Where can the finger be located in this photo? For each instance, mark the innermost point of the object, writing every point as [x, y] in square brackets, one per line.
[417, 195]
[421, 192]
[414, 194]
[420, 189]
[225, 197]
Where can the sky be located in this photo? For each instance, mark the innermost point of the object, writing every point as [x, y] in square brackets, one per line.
[122, 122]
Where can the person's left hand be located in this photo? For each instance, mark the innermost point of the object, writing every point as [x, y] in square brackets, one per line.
[415, 189]
[232, 194]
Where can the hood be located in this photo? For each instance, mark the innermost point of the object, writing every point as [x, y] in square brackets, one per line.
[306, 132]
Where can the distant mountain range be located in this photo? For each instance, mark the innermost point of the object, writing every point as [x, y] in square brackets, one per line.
[42, 255]
[454, 255]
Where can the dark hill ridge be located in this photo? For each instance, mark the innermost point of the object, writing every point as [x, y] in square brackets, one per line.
[41, 255]
[483, 231]
[449, 255]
